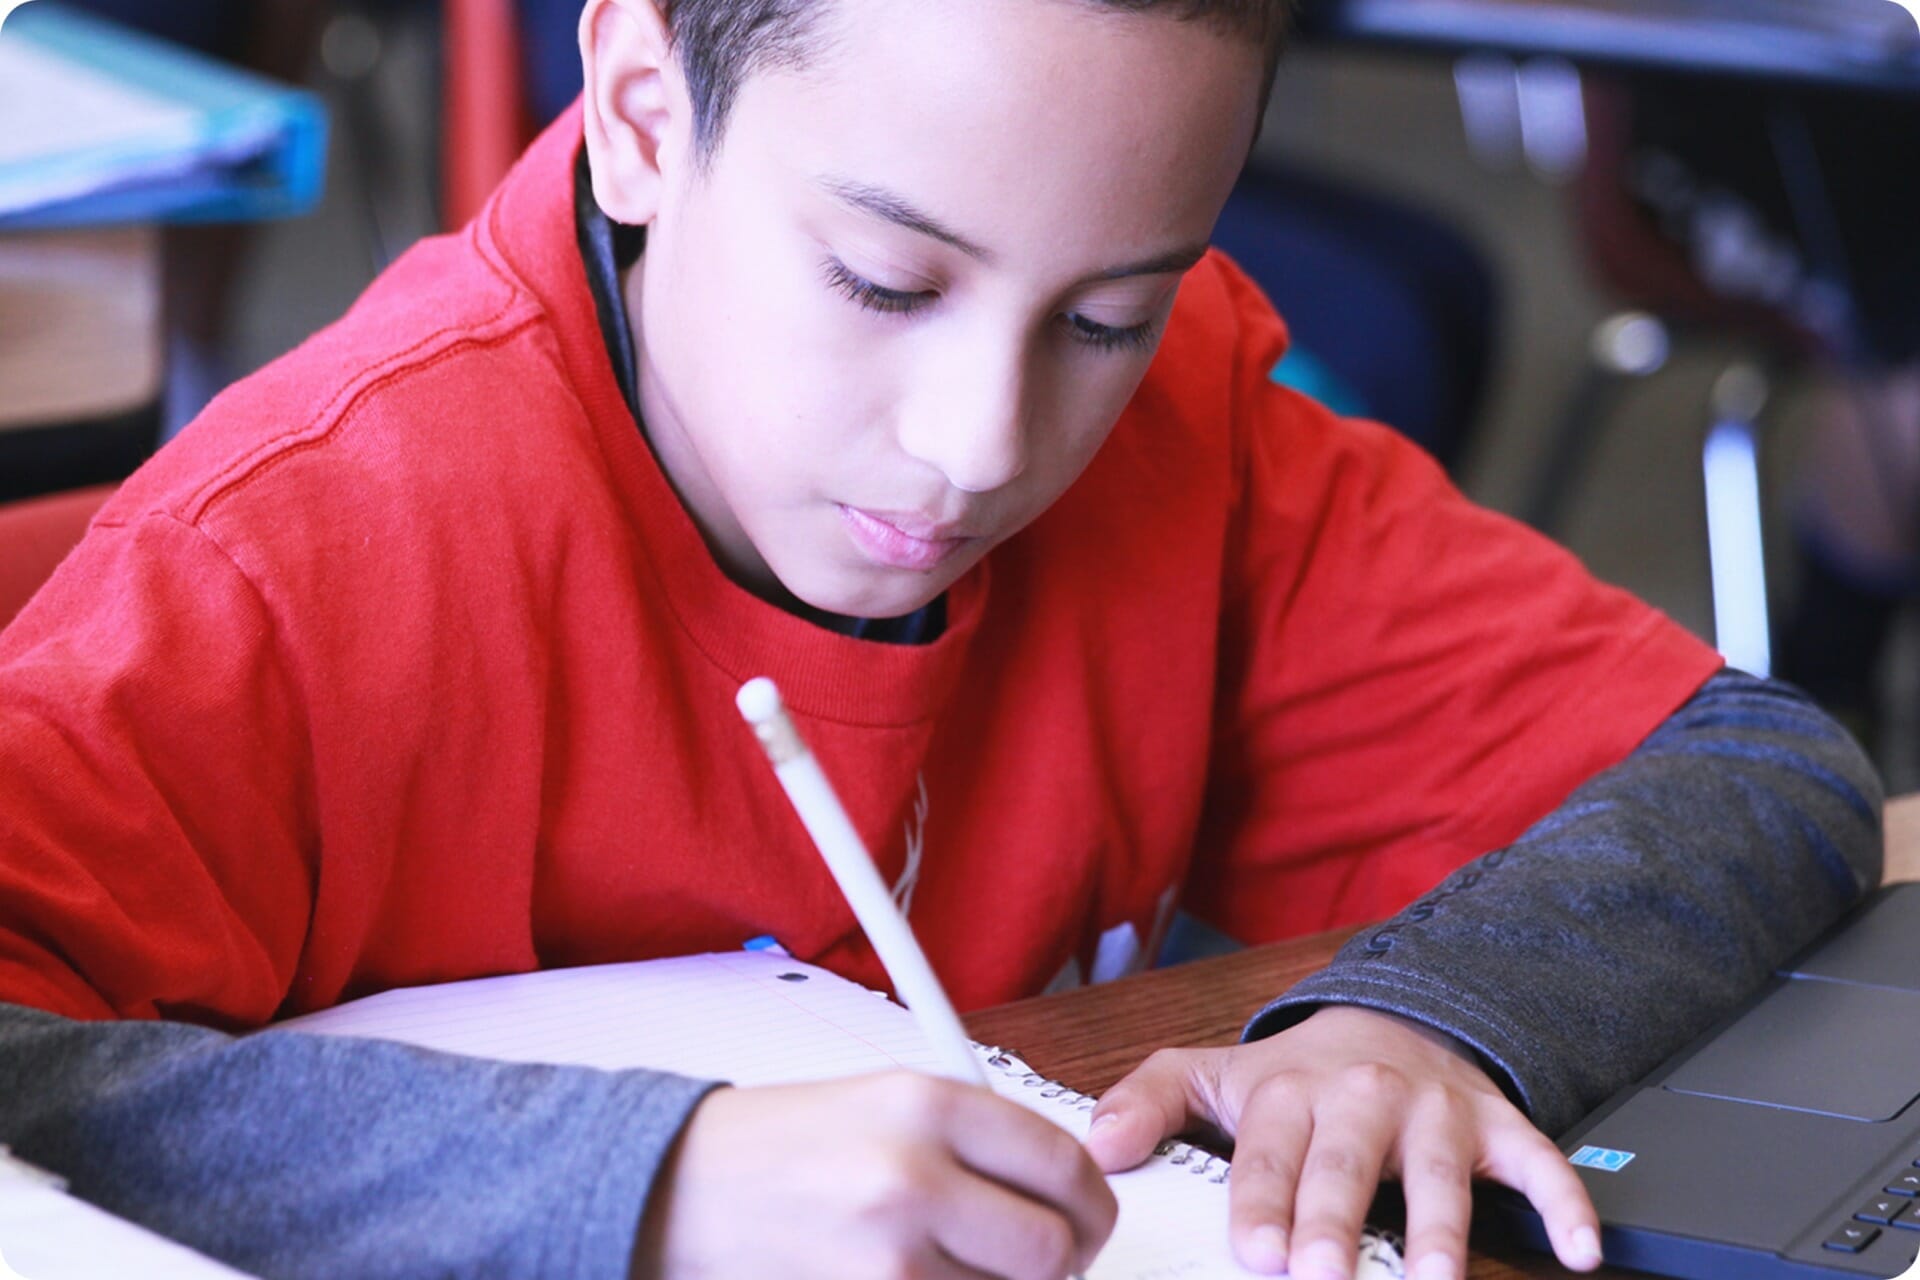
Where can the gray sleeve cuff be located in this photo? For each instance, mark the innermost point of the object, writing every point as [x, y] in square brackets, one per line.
[1500, 1047]
[618, 1149]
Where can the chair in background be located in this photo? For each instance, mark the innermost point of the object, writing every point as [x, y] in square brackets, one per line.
[511, 66]
[1399, 308]
[1651, 274]
[35, 536]
[485, 123]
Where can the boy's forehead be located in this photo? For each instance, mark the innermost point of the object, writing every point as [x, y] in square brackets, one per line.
[1015, 119]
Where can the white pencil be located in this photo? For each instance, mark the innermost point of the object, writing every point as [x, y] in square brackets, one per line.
[852, 867]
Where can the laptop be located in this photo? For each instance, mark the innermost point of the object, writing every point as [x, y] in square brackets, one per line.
[1785, 1142]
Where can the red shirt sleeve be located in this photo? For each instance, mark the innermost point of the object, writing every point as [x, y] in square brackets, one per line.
[1408, 680]
[151, 774]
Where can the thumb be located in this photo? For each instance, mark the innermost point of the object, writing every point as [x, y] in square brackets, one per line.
[1150, 1104]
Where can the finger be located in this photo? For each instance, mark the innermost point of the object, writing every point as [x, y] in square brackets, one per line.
[1437, 1158]
[1165, 1095]
[1275, 1128]
[1352, 1134]
[1004, 1141]
[1522, 1157]
[986, 1226]
[937, 1265]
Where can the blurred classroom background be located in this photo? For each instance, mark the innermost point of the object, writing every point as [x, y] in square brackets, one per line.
[1614, 255]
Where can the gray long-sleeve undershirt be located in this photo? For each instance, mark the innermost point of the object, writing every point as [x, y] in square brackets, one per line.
[1662, 891]
[287, 1154]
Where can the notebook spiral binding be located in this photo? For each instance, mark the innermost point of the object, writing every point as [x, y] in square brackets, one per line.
[1197, 1161]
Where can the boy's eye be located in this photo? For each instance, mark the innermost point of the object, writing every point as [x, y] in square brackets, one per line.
[1106, 337]
[865, 293]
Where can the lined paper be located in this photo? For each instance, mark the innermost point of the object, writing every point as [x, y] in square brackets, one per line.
[49, 1235]
[716, 1017]
[755, 1019]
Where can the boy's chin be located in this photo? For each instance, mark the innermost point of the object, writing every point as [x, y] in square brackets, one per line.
[869, 593]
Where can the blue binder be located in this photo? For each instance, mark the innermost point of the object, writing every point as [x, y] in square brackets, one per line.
[243, 148]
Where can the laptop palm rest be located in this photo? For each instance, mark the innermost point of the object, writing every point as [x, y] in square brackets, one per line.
[1812, 1044]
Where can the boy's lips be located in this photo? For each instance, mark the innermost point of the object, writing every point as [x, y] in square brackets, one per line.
[884, 538]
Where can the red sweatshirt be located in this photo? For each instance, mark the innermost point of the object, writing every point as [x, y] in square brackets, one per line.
[404, 664]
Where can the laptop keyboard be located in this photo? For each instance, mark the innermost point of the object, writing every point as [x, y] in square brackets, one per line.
[1897, 1206]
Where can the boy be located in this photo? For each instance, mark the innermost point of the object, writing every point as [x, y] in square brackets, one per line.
[871, 346]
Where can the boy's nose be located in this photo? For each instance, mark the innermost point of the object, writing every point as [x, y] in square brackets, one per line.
[972, 425]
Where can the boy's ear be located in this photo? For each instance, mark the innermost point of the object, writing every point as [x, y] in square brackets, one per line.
[636, 105]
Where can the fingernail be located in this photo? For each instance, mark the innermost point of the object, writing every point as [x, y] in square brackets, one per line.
[1586, 1248]
[1435, 1266]
[1267, 1249]
[1328, 1261]
[1105, 1122]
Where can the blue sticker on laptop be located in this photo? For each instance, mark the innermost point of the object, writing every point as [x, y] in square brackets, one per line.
[1602, 1158]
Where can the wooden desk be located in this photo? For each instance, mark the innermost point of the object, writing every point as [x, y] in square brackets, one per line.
[1091, 1037]
[79, 324]
[81, 356]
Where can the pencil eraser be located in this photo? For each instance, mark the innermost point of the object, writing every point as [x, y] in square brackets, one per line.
[758, 700]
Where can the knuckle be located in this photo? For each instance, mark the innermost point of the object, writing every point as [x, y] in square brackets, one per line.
[1282, 1091]
[1503, 1123]
[877, 1256]
[1106, 1208]
[920, 1101]
[1065, 1164]
[1374, 1084]
[889, 1187]
[895, 1263]
[1441, 1166]
[1263, 1166]
[1342, 1164]
[1164, 1062]
[1045, 1249]
[1527, 1149]
[1440, 1101]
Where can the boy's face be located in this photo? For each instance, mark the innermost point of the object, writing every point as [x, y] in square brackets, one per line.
[900, 311]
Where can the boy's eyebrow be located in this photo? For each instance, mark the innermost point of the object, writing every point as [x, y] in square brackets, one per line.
[1164, 263]
[884, 204]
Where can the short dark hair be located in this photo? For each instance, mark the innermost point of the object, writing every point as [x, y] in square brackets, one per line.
[722, 42]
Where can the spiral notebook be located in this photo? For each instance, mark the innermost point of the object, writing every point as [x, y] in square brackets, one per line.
[757, 1018]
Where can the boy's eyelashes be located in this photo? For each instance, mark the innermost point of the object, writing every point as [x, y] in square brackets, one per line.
[1106, 337]
[865, 293]
[869, 296]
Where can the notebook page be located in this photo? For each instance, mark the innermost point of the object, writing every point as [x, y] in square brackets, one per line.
[49, 1235]
[754, 1019]
[746, 1017]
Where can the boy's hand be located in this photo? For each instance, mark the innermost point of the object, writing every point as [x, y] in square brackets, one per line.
[1319, 1112]
[889, 1176]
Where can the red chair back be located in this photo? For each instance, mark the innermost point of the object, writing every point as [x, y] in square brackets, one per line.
[35, 536]
[485, 118]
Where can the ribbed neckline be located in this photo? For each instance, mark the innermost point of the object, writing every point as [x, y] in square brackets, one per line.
[529, 225]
